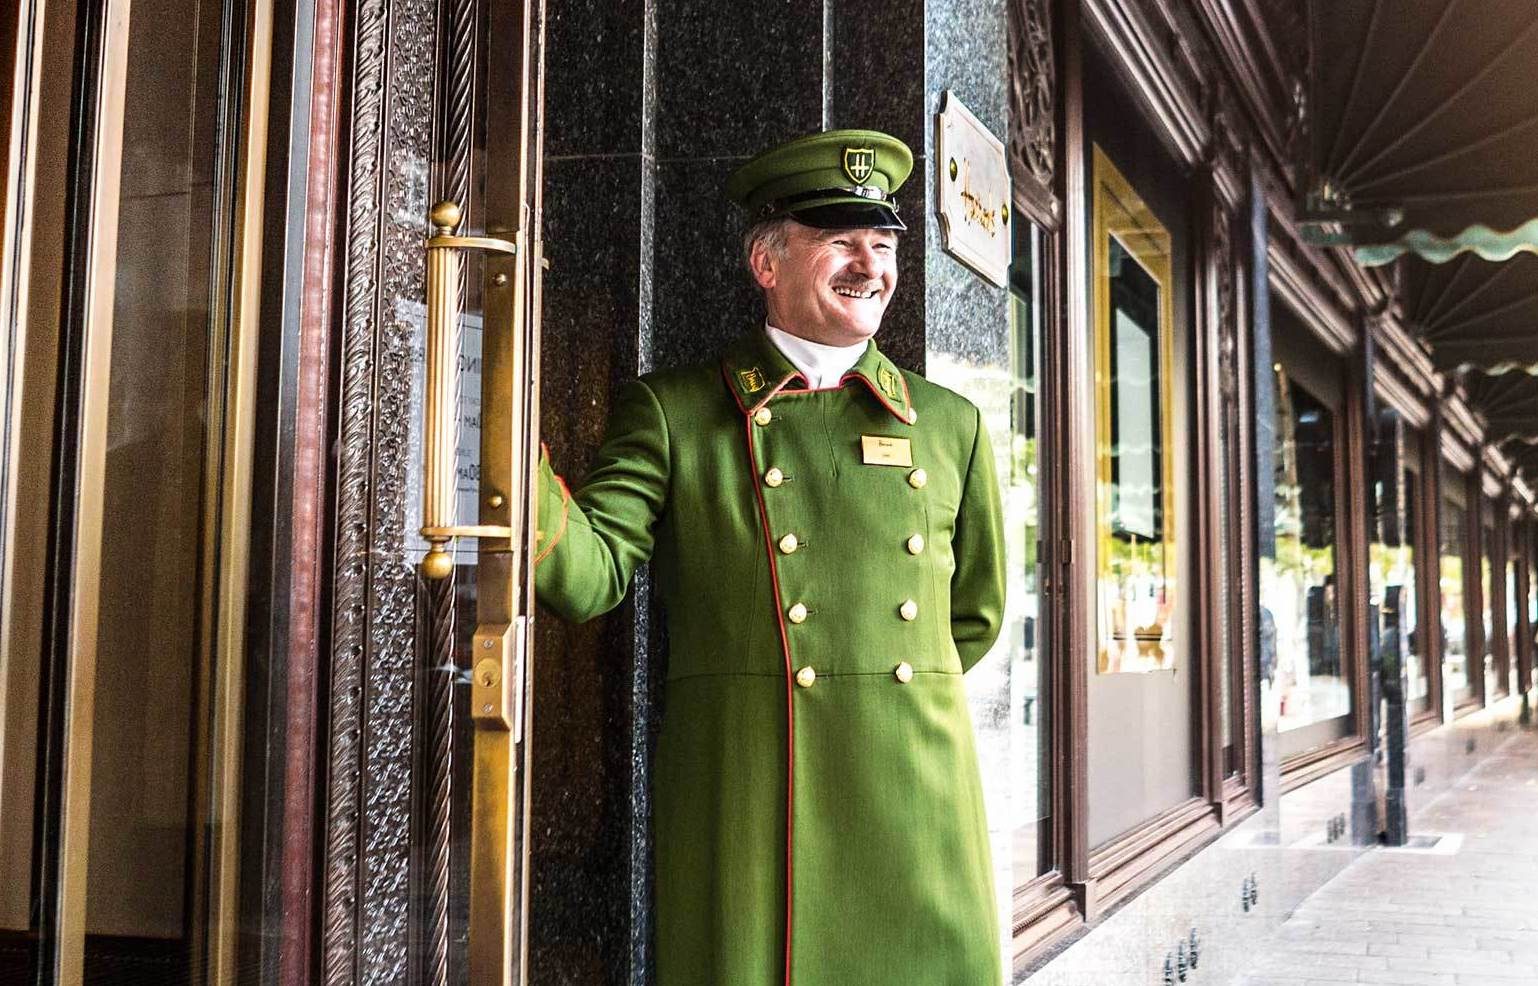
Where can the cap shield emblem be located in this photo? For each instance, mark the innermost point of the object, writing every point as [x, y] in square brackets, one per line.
[859, 162]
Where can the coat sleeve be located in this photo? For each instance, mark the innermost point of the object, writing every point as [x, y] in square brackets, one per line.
[590, 541]
[977, 587]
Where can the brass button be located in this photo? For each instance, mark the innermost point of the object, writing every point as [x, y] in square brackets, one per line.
[913, 415]
[789, 543]
[903, 672]
[916, 544]
[773, 477]
[763, 416]
[797, 613]
[909, 611]
[806, 676]
[918, 479]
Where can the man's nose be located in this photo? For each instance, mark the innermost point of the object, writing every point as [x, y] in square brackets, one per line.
[866, 261]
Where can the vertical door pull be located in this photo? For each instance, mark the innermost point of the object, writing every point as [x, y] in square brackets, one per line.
[439, 406]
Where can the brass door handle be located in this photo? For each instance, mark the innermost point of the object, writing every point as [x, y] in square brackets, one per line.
[440, 408]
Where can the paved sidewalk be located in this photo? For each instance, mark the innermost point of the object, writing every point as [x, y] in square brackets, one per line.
[1461, 913]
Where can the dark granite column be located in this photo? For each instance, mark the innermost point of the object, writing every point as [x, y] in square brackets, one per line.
[594, 683]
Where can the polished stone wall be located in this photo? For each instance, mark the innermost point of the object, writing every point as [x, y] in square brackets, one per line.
[649, 105]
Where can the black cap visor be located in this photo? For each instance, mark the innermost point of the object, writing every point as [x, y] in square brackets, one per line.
[849, 215]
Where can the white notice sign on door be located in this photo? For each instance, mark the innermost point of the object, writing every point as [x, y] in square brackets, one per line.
[467, 453]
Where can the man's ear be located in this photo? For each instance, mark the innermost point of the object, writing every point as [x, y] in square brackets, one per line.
[761, 262]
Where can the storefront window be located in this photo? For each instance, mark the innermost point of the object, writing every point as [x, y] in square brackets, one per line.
[1532, 609]
[1142, 689]
[1136, 522]
[1487, 605]
[1417, 675]
[1511, 625]
[1453, 538]
[1304, 594]
[1391, 553]
[1532, 606]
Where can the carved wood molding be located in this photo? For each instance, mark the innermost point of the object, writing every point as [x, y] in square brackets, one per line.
[1249, 51]
[1227, 153]
[1226, 303]
[1317, 308]
[1154, 49]
[365, 926]
[1033, 108]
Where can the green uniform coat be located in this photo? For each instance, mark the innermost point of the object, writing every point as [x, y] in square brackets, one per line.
[815, 831]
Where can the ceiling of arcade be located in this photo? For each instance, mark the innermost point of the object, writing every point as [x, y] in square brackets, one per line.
[1422, 153]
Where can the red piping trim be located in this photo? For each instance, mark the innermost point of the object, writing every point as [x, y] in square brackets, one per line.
[560, 531]
[726, 375]
[790, 716]
[882, 397]
[780, 389]
[777, 389]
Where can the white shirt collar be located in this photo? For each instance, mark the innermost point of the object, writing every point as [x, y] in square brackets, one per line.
[822, 365]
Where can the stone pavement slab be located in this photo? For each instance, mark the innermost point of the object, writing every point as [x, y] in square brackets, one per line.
[1468, 917]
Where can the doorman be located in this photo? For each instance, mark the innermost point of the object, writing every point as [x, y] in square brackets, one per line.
[825, 530]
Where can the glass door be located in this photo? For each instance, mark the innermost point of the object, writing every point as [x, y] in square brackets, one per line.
[130, 366]
[479, 443]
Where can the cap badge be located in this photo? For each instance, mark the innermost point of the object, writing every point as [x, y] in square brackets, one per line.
[859, 162]
[752, 380]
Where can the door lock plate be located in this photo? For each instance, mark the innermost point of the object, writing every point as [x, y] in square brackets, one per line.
[492, 694]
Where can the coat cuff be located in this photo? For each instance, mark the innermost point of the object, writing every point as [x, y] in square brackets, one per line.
[552, 508]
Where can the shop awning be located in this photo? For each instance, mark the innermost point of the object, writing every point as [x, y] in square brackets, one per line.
[1508, 402]
[1422, 127]
[1473, 312]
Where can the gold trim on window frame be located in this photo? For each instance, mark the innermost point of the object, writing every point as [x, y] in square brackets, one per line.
[1119, 211]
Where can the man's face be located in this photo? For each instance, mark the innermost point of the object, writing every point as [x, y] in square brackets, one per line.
[831, 285]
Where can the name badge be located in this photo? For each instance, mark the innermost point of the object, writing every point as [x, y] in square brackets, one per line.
[879, 450]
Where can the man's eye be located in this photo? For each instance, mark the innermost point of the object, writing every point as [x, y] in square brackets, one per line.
[884, 246]
[842, 243]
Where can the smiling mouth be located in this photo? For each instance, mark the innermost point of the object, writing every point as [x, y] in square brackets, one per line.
[855, 293]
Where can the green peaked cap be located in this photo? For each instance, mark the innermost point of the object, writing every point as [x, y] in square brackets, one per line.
[832, 180]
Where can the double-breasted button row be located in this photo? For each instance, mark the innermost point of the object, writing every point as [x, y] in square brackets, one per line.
[807, 676]
[798, 613]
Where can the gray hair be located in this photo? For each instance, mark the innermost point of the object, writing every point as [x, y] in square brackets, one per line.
[772, 232]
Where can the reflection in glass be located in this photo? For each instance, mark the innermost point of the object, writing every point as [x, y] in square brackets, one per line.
[155, 878]
[1029, 794]
[1302, 594]
[1133, 339]
[1455, 660]
[1007, 691]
